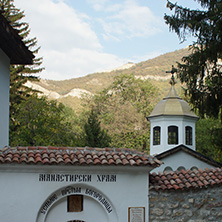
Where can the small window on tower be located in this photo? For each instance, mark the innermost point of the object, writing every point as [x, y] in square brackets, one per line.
[188, 135]
[75, 203]
[156, 135]
[172, 135]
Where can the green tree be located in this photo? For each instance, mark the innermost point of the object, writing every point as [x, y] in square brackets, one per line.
[201, 70]
[208, 138]
[95, 136]
[122, 109]
[20, 74]
[76, 122]
[41, 122]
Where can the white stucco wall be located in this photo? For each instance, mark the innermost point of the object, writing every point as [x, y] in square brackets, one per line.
[183, 159]
[164, 121]
[4, 99]
[24, 196]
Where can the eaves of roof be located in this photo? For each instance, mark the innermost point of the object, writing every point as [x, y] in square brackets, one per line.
[12, 44]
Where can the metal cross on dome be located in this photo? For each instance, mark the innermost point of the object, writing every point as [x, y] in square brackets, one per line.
[172, 71]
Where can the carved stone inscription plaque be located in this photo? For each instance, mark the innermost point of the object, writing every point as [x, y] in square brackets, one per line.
[136, 214]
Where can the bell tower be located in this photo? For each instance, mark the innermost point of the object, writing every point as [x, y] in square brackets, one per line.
[172, 122]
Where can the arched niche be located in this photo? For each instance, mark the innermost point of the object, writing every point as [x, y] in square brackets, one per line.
[96, 203]
[194, 168]
[181, 168]
[168, 169]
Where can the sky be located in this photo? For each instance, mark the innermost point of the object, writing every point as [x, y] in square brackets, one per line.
[79, 37]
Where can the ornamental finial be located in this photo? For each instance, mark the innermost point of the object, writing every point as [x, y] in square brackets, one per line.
[172, 71]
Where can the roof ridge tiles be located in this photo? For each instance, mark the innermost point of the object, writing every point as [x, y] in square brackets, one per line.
[76, 156]
[50, 148]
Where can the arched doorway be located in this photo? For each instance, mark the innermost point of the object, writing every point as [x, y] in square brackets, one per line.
[92, 205]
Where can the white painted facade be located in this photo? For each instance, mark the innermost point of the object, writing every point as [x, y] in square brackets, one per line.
[182, 160]
[4, 99]
[164, 122]
[31, 192]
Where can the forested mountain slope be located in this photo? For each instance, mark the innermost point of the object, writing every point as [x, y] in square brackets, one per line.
[69, 91]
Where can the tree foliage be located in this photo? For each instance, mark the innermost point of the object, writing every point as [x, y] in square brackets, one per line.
[95, 136]
[208, 138]
[40, 122]
[122, 109]
[201, 70]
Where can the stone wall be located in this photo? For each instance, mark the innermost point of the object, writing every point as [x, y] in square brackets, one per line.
[200, 205]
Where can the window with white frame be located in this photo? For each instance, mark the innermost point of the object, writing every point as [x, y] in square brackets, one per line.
[172, 135]
[156, 135]
[189, 135]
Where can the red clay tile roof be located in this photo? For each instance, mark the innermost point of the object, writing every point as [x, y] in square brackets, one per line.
[76, 156]
[185, 179]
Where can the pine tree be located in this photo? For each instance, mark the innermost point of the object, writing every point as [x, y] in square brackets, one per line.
[20, 74]
[201, 70]
[95, 136]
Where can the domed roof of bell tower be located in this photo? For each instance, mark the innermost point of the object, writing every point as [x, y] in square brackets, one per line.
[172, 105]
